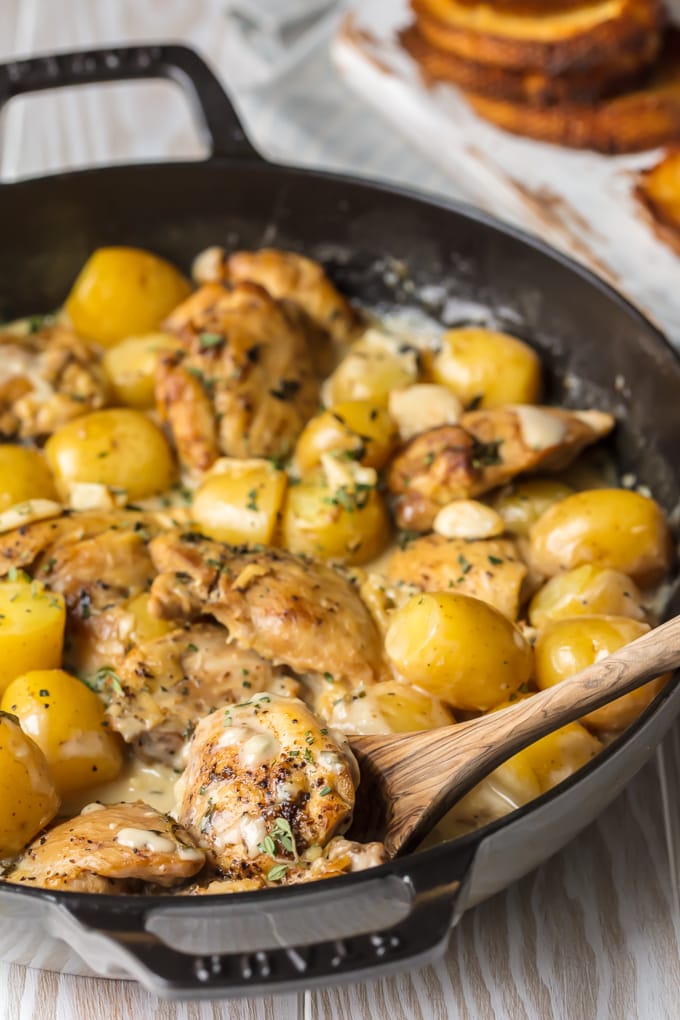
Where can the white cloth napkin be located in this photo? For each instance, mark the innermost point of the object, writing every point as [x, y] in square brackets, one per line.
[273, 57]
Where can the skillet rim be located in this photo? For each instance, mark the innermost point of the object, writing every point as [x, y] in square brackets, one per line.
[126, 903]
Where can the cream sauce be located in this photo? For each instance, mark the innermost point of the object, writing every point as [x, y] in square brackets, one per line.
[153, 784]
[145, 839]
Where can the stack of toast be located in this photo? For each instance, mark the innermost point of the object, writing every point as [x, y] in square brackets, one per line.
[593, 74]
[659, 191]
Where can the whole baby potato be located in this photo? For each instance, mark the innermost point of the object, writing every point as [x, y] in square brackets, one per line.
[346, 524]
[131, 368]
[123, 292]
[24, 475]
[458, 648]
[239, 501]
[565, 647]
[119, 448]
[525, 776]
[558, 755]
[28, 798]
[373, 368]
[613, 528]
[522, 503]
[66, 720]
[32, 621]
[487, 368]
[586, 591]
[360, 427]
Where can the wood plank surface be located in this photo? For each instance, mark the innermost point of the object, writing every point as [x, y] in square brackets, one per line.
[595, 932]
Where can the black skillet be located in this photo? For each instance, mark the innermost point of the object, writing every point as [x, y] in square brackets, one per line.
[384, 247]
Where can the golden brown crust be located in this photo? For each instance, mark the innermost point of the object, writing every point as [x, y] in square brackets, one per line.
[114, 849]
[638, 120]
[658, 189]
[547, 41]
[535, 87]
[294, 611]
[244, 385]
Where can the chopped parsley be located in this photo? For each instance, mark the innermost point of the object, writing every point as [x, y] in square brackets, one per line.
[252, 500]
[276, 873]
[207, 340]
[495, 560]
[325, 790]
[486, 454]
[105, 679]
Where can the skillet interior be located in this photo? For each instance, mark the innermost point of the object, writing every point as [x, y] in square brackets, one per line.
[384, 249]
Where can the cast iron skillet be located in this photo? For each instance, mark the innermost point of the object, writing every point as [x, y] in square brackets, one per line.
[384, 247]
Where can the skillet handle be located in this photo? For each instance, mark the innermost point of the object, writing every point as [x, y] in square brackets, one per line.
[259, 944]
[217, 117]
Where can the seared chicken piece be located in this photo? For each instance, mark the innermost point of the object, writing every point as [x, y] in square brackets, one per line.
[286, 276]
[169, 683]
[294, 611]
[97, 560]
[264, 783]
[244, 384]
[486, 449]
[46, 379]
[219, 886]
[488, 569]
[339, 857]
[109, 849]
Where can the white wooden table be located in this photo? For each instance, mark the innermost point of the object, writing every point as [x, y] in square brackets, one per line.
[594, 933]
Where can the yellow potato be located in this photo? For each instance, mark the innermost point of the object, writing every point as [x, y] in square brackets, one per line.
[373, 368]
[565, 647]
[344, 523]
[123, 292]
[31, 628]
[612, 528]
[361, 428]
[586, 591]
[131, 368]
[28, 798]
[487, 368]
[406, 709]
[522, 503]
[24, 475]
[519, 780]
[119, 448]
[240, 501]
[458, 648]
[558, 755]
[66, 720]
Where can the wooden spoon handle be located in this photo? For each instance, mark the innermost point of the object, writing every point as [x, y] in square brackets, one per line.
[492, 739]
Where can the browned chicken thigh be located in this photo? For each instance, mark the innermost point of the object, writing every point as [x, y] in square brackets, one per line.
[291, 610]
[168, 684]
[109, 849]
[286, 276]
[47, 378]
[97, 560]
[484, 450]
[488, 569]
[264, 783]
[244, 385]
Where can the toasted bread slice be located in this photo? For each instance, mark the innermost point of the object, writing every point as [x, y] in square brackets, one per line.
[549, 35]
[641, 119]
[531, 86]
[659, 191]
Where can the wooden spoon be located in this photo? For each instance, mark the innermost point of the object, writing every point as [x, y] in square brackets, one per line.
[410, 780]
